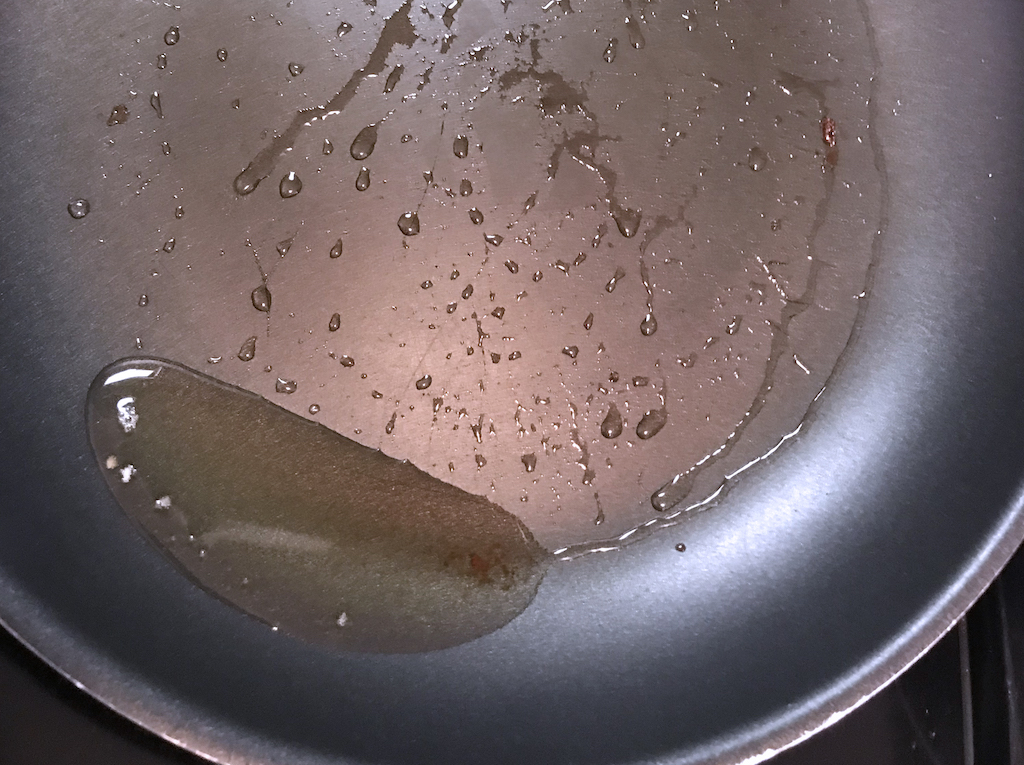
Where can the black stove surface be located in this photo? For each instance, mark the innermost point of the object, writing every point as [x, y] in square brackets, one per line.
[958, 705]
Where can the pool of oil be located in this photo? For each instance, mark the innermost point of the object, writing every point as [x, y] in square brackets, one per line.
[583, 259]
[301, 527]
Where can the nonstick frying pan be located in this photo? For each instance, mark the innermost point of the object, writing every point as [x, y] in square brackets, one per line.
[822, 572]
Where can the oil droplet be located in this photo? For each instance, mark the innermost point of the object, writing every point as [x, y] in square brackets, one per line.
[295, 69]
[143, 301]
[651, 423]
[627, 221]
[314, 409]
[688, 361]
[284, 245]
[248, 350]
[261, 298]
[343, 29]
[78, 208]
[588, 322]
[285, 386]
[427, 284]
[467, 292]
[424, 382]
[154, 101]
[290, 186]
[476, 217]
[757, 159]
[571, 351]
[409, 224]
[530, 462]
[649, 325]
[336, 249]
[454, 274]
[680, 547]
[734, 326]
[460, 146]
[515, 355]
[335, 323]
[328, 147]
[613, 282]
[480, 460]
[179, 212]
[498, 313]
[495, 357]
[636, 37]
[640, 382]
[450, 308]
[364, 142]
[118, 115]
[169, 245]
[172, 35]
[611, 50]
[315, 523]
[580, 259]
[494, 240]
[390, 427]
[512, 266]
[348, 361]
[538, 275]
[222, 55]
[161, 61]
[611, 425]
[165, 148]
[363, 180]
[393, 78]
[465, 187]
[376, 394]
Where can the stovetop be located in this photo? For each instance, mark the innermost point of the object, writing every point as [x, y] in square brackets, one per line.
[958, 705]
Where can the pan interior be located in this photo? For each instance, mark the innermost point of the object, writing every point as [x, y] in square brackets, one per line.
[792, 601]
[563, 258]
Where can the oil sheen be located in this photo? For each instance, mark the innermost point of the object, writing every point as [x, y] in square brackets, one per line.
[300, 527]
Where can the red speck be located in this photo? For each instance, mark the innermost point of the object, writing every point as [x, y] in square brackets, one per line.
[478, 564]
[828, 131]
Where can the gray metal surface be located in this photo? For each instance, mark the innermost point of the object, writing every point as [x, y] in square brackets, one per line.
[823, 573]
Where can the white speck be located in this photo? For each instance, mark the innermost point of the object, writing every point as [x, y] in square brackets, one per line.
[111, 462]
[343, 619]
[127, 472]
[801, 364]
[126, 414]
[164, 503]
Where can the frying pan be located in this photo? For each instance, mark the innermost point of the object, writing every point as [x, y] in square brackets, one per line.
[821, 574]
